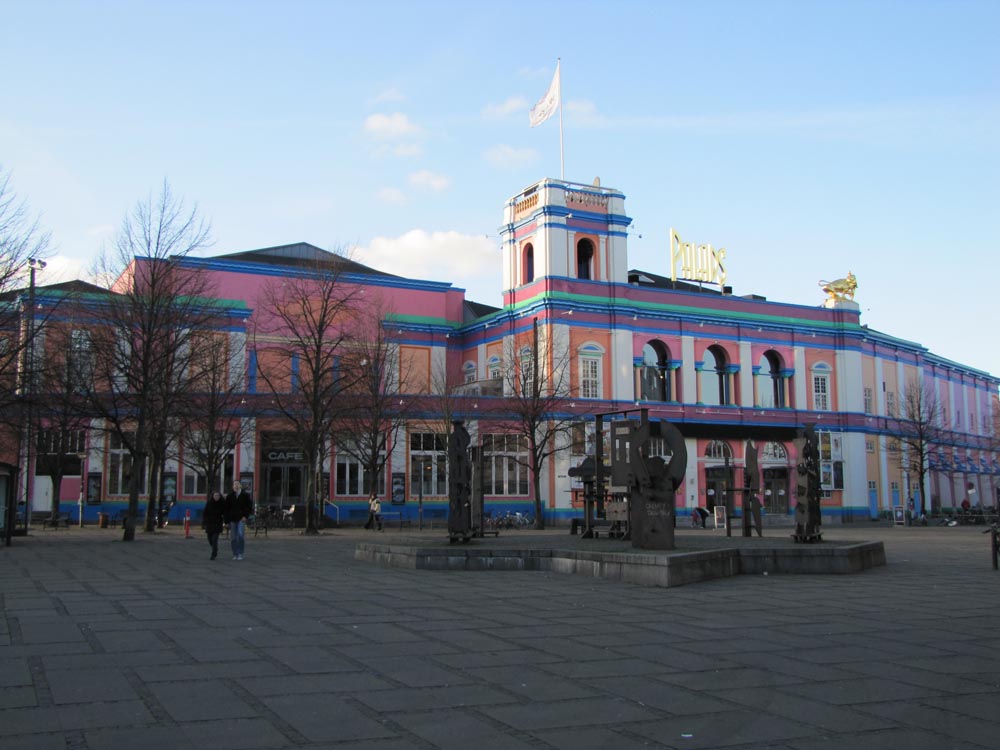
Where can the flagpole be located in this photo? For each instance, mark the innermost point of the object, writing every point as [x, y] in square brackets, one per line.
[562, 158]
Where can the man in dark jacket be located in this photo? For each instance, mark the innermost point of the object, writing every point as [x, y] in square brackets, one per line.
[239, 508]
[212, 519]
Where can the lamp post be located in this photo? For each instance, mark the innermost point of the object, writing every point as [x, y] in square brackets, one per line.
[28, 383]
[82, 455]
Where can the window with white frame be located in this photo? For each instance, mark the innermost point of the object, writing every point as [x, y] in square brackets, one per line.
[120, 467]
[869, 446]
[526, 360]
[80, 361]
[890, 403]
[196, 483]
[869, 401]
[773, 451]
[353, 479]
[493, 368]
[469, 372]
[821, 387]
[428, 464]
[505, 459]
[718, 449]
[590, 371]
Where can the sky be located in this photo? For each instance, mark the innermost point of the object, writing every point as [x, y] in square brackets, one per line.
[808, 139]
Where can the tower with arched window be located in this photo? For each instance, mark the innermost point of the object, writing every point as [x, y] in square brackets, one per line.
[563, 230]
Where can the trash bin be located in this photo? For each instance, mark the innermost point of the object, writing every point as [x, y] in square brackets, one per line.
[102, 520]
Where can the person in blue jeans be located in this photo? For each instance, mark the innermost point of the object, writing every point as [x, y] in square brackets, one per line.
[239, 508]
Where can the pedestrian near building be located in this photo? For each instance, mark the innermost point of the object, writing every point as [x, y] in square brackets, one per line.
[239, 508]
[212, 519]
[374, 513]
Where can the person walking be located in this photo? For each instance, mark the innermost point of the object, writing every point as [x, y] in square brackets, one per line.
[374, 513]
[239, 508]
[212, 519]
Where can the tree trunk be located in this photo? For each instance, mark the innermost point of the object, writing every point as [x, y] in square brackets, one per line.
[154, 486]
[536, 484]
[56, 485]
[128, 524]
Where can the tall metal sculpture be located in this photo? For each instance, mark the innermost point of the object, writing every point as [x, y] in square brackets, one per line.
[459, 484]
[807, 509]
[751, 488]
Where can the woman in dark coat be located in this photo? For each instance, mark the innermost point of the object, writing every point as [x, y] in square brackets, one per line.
[213, 517]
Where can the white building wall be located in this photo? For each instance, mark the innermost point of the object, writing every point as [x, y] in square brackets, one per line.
[746, 374]
[802, 375]
[688, 376]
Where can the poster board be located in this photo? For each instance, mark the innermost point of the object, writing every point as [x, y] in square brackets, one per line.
[720, 516]
[898, 516]
[398, 488]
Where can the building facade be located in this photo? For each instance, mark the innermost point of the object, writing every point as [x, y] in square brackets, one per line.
[726, 369]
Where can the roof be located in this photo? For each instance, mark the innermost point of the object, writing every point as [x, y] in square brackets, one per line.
[475, 310]
[301, 254]
[647, 279]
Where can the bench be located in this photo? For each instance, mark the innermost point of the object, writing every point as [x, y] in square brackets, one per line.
[62, 520]
[395, 514]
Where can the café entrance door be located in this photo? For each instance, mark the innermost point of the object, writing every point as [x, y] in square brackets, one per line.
[283, 484]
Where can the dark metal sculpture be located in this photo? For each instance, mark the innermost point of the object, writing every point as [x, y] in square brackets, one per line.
[807, 509]
[751, 489]
[459, 484]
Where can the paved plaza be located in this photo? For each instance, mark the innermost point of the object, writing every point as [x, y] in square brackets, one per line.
[150, 645]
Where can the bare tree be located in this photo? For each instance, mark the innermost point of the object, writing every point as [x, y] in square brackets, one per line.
[60, 415]
[21, 241]
[538, 393]
[375, 411]
[213, 418]
[300, 332]
[143, 335]
[914, 431]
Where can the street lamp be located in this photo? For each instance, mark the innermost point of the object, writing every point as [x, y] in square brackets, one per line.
[82, 455]
[27, 382]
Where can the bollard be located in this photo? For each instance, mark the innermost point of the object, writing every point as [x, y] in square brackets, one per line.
[187, 524]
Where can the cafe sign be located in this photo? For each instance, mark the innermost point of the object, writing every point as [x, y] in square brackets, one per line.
[693, 262]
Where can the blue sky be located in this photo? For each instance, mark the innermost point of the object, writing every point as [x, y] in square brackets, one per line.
[809, 139]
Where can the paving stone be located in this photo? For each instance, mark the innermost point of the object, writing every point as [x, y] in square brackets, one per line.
[581, 712]
[320, 718]
[233, 734]
[201, 700]
[335, 682]
[458, 730]
[88, 685]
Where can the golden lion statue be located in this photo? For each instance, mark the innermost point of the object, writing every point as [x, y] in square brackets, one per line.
[840, 288]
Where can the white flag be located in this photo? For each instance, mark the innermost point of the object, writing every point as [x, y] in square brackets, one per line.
[548, 104]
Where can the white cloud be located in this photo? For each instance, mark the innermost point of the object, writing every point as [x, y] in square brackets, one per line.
[503, 156]
[469, 261]
[584, 112]
[513, 105]
[390, 127]
[402, 150]
[430, 180]
[392, 196]
[61, 268]
[391, 94]
[100, 230]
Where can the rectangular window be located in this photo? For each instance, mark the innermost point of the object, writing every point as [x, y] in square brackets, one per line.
[505, 471]
[869, 400]
[120, 467]
[196, 483]
[428, 464]
[590, 377]
[352, 479]
[821, 392]
[870, 446]
[890, 403]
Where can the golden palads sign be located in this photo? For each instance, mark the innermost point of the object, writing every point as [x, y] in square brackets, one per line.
[691, 262]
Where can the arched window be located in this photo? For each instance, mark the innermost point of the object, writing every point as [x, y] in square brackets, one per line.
[526, 362]
[590, 370]
[773, 452]
[771, 386]
[654, 377]
[718, 449]
[528, 264]
[469, 372]
[821, 386]
[493, 367]
[584, 258]
[714, 378]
